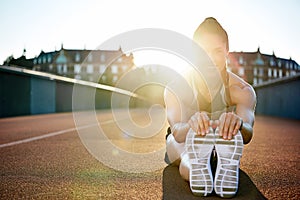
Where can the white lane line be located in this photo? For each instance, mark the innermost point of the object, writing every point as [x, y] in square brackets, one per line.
[51, 134]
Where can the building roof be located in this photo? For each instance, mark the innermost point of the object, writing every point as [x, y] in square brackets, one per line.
[259, 59]
[79, 56]
[20, 62]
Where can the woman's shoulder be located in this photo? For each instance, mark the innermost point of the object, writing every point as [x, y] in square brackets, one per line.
[235, 80]
[240, 90]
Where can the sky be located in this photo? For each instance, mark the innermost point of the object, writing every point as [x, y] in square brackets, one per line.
[272, 25]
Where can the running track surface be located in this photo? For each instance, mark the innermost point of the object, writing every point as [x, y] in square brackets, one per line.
[42, 157]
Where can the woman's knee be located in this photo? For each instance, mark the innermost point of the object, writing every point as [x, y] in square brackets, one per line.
[184, 172]
[174, 149]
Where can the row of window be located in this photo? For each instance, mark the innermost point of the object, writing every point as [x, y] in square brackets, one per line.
[259, 80]
[63, 68]
[48, 58]
[41, 60]
[272, 73]
[260, 74]
[90, 58]
[259, 61]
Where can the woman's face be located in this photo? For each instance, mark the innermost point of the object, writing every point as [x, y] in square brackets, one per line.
[216, 49]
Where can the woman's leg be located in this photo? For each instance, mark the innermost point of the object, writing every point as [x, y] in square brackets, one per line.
[184, 167]
[177, 155]
[174, 150]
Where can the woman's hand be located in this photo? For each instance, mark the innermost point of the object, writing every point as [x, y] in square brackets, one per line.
[229, 125]
[199, 122]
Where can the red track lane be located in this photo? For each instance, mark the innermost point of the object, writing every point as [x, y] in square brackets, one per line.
[59, 166]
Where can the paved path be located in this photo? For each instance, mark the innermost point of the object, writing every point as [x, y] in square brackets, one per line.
[42, 157]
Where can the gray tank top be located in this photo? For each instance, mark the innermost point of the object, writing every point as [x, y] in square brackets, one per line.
[219, 102]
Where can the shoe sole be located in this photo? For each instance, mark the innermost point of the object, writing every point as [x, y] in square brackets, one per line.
[229, 153]
[199, 149]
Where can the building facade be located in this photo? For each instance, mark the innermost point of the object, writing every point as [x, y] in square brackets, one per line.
[107, 66]
[257, 68]
[103, 66]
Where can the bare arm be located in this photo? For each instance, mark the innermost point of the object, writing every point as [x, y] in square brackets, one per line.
[183, 117]
[177, 117]
[245, 109]
[243, 96]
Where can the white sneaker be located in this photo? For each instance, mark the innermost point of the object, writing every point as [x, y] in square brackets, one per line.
[199, 149]
[229, 153]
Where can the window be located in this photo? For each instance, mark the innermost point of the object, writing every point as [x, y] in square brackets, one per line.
[293, 73]
[49, 59]
[77, 57]
[59, 68]
[102, 69]
[115, 78]
[120, 59]
[260, 80]
[44, 59]
[241, 60]
[50, 67]
[61, 59]
[259, 60]
[255, 71]
[90, 58]
[65, 68]
[89, 69]
[279, 63]
[261, 71]
[275, 73]
[269, 72]
[280, 73]
[241, 71]
[254, 81]
[77, 68]
[114, 69]
[272, 62]
[102, 58]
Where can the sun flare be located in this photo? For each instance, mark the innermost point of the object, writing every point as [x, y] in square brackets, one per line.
[159, 57]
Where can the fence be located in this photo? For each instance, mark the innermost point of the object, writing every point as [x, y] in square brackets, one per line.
[27, 92]
[279, 98]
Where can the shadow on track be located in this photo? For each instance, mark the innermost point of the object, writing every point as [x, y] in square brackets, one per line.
[174, 187]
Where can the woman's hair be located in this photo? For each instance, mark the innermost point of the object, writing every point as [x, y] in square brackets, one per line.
[211, 26]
